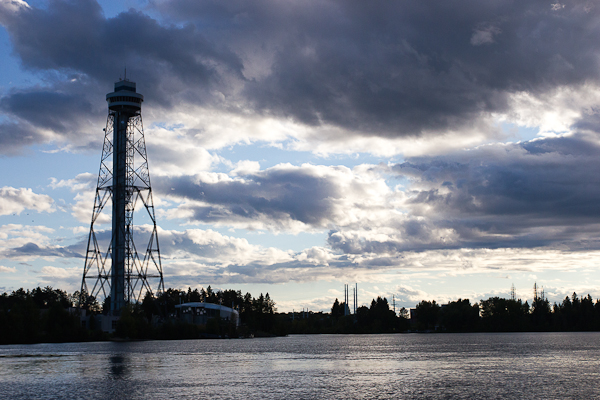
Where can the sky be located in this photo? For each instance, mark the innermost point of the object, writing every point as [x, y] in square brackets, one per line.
[421, 150]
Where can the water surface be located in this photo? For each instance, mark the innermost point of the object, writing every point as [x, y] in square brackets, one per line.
[405, 366]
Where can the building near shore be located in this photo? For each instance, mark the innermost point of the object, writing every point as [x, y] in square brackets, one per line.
[105, 323]
[199, 313]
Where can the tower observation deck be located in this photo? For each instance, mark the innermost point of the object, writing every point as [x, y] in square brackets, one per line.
[113, 267]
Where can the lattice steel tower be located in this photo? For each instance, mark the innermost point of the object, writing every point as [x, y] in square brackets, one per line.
[124, 179]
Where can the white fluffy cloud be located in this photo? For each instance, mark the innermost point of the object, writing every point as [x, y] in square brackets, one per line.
[82, 182]
[16, 235]
[14, 201]
[56, 272]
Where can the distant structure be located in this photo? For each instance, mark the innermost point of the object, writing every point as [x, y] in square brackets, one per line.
[346, 305]
[114, 267]
[541, 296]
[347, 299]
[199, 313]
[355, 297]
[513, 292]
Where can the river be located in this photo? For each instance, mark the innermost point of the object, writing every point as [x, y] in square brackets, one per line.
[402, 366]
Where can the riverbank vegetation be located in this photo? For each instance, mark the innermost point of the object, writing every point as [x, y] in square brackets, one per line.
[53, 315]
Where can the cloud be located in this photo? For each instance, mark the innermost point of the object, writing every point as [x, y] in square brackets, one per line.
[15, 201]
[74, 35]
[284, 197]
[207, 245]
[15, 136]
[245, 167]
[85, 181]
[534, 194]
[529, 194]
[322, 72]
[54, 272]
[484, 35]
[197, 256]
[58, 113]
[79, 48]
[201, 257]
[391, 236]
[31, 251]
[558, 113]
[172, 152]
[7, 269]
[68, 278]
[400, 68]
[45, 108]
[194, 257]
[26, 242]
[83, 207]
[15, 235]
[434, 83]
[9, 7]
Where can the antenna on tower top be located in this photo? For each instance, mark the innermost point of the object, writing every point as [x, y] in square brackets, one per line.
[125, 73]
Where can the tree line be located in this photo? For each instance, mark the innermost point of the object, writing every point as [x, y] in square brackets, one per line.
[52, 315]
[376, 318]
[492, 315]
[41, 315]
[497, 314]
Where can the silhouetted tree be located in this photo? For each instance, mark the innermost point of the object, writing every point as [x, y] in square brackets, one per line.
[363, 319]
[504, 315]
[382, 318]
[150, 306]
[541, 314]
[211, 296]
[460, 316]
[427, 313]
[336, 310]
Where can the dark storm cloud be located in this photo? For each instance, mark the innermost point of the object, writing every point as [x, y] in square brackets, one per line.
[81, 53]
[538, 193]
[75, 36]
[61, 111]
[45, 108]
[401, 67]
[278, 195]
[551, 179]
[14, 136]
[388, 68]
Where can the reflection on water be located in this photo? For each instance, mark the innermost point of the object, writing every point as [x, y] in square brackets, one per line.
[412, 366]
[118, 366]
